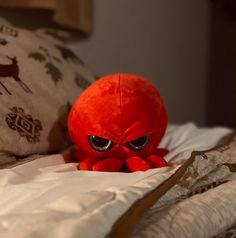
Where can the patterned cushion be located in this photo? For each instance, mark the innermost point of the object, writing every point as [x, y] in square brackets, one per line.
[39, 80]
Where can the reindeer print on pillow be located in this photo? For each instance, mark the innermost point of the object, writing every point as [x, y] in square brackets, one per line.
[3, 42]
[12, 72]
[39, 75]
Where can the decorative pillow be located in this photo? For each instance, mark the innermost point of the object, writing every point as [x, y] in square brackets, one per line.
[39, 79]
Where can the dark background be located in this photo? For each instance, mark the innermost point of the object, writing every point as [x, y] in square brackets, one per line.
[187, 48]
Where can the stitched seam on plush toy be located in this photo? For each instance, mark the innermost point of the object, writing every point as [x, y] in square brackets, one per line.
[121, 129]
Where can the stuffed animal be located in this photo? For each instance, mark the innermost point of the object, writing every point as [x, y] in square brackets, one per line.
[117, 124]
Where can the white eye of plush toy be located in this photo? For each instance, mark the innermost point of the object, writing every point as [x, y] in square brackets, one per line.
[139, 143]
[99, 143]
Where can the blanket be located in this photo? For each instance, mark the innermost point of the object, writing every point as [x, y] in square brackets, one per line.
[194, 197]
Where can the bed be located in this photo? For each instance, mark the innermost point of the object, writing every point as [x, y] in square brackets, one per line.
[195, 197]
[44, 195]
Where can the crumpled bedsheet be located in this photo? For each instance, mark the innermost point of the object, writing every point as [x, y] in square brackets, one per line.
[201, 204]
[48, 198]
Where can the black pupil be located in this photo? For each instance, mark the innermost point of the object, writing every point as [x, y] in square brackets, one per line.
[99, 142]
[139, 142]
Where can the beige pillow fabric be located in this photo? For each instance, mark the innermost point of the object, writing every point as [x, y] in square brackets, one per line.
[39, 80]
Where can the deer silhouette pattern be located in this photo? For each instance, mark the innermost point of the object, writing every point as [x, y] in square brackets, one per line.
[3, 42]
[12, 71]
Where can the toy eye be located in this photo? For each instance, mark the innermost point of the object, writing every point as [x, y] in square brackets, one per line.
[99, 143]
[139, 143]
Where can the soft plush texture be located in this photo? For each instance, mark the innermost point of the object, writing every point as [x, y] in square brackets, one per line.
[120, 108]
[40, 78]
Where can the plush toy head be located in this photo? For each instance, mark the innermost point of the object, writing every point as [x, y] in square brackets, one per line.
[120, 115]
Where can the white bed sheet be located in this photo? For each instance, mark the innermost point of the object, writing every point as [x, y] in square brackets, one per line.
[48, 198]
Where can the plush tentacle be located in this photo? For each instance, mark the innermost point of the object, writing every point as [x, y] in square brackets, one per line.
[108, 165]
[157, 161]
[87, 164]
[136, 163]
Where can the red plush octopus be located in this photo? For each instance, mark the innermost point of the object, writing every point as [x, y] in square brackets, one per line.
[117, 124]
